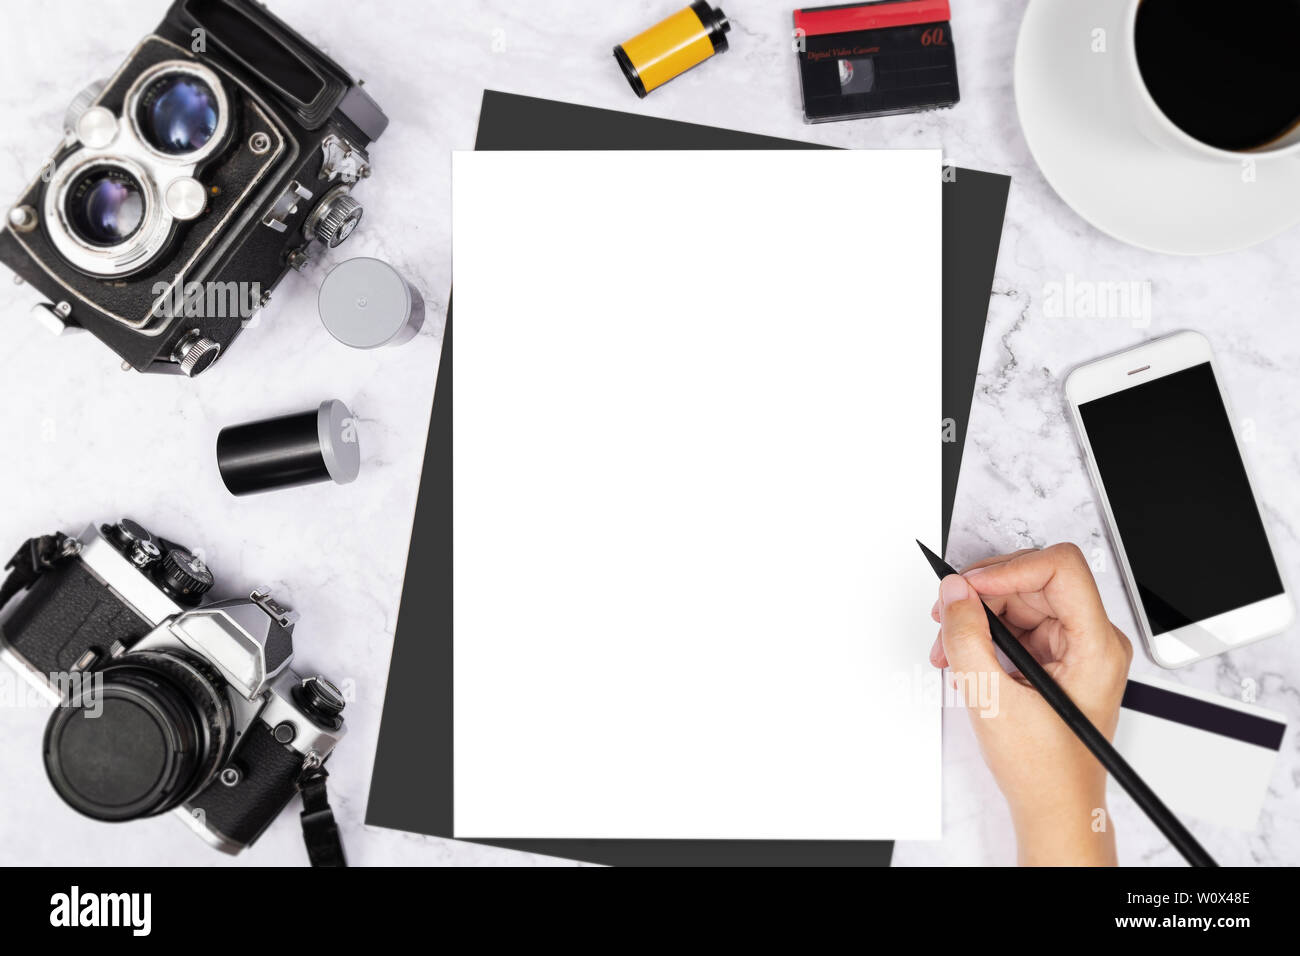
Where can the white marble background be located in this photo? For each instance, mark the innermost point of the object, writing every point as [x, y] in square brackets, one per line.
[85, 442]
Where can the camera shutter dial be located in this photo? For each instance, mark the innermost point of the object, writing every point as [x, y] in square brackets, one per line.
[185, 574]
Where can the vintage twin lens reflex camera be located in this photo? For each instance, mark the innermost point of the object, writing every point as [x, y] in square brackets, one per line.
[167, 702]
[221, 154]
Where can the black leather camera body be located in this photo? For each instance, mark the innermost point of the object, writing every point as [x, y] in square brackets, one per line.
[167, 701]
[220, 155]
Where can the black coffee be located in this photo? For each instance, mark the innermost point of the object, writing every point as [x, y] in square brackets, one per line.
[1225, 73]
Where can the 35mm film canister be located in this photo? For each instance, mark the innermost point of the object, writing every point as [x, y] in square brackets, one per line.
[366, 304]
[319, 445]
[670, 48]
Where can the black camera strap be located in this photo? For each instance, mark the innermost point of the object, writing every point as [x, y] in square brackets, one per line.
[34, 558]
[319, 831]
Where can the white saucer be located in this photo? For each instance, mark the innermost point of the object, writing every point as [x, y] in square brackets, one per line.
[1092, 151]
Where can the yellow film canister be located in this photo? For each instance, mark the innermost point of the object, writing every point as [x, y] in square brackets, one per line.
[671, 47]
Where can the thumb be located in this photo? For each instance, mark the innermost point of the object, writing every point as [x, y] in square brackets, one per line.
[967, 643]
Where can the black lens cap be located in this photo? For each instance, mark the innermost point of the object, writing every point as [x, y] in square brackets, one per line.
[131, 744]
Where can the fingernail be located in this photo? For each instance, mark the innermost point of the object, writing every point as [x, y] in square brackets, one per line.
[936, 650]
[953, 588]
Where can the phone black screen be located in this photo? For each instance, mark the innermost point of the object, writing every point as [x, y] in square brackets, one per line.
[1181, 500]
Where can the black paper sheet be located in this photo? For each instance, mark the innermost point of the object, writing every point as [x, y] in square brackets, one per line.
[412, 786]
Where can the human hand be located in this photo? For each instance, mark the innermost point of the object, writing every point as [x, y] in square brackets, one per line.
[1055, 787]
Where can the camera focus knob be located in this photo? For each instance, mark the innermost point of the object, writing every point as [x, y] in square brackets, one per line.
[185, 574]
[334, 219]
[80, 103]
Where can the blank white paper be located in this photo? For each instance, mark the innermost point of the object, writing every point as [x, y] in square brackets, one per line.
[696, 432]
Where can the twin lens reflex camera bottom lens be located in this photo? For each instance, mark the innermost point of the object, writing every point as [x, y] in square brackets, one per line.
[105, 206]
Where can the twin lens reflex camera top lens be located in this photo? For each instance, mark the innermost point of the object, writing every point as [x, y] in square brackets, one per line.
[177, 113]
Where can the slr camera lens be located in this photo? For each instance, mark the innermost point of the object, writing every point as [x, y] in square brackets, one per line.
[141, 742]
[177, 114]
[105, 206]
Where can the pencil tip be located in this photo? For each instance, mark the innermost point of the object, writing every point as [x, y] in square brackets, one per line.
[936, 562]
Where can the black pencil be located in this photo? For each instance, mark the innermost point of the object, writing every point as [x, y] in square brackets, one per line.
[1086, 731]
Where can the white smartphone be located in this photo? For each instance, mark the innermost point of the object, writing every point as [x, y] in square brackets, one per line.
[1160, 443]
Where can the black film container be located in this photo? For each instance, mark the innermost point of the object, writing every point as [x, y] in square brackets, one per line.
[309, 447]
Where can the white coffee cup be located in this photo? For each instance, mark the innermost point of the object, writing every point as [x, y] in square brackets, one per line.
[1159, 128]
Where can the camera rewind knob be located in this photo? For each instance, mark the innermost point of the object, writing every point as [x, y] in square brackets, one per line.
[185, 575]
[135, 542]
[334, 219]
[143, 553]
[321, 699]
[130, 531]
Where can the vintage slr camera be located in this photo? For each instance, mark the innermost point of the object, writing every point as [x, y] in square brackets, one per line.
[168, 703]
[221, 154]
